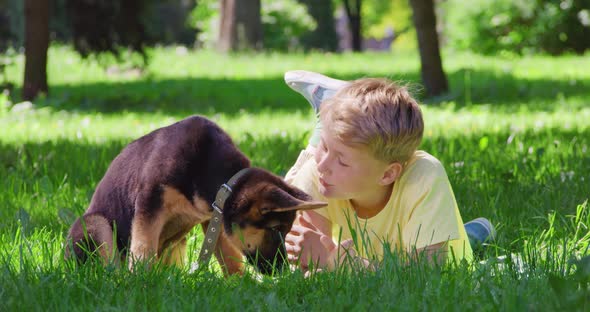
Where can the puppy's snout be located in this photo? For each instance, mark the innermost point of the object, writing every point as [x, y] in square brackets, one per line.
[272, 257]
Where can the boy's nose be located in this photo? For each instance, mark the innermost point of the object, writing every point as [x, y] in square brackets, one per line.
[323, 164]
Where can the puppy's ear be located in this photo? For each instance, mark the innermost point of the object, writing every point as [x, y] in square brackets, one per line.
[281, 201]
[303, 206]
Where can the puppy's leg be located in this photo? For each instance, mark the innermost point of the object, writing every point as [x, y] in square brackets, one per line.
[89, 234]
[145, 233]
[232, 261]
[175, 254]
[229, 257]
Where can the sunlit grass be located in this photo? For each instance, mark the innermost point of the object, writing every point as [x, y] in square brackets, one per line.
[512, 134]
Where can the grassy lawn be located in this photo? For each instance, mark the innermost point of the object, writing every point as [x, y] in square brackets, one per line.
[513, 135]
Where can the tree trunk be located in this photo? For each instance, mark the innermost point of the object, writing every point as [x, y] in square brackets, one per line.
[433, 75]
[241, 25]
[36, 45]
[353, 11]
[324, 37]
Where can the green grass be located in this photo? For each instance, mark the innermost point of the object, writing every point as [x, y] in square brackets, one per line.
[513, 135]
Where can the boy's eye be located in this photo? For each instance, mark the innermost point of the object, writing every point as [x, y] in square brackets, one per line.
[341, 163]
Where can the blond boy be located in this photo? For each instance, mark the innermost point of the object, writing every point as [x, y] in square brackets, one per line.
[381, 190]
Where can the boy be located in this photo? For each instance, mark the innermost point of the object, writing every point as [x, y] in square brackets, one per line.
[381, 191]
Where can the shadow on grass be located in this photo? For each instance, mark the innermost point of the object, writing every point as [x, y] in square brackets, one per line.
[182, 97]
[502, 89]
[40, 181]
[504, 182]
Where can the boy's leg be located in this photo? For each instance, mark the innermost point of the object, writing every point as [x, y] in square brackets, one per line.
[480, 231]
[315, 88]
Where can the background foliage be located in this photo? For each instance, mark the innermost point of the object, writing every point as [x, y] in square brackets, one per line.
[284, 22]
[485, 26]
[520, 26]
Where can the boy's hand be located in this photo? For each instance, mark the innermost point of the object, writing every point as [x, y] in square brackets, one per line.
[306, 244]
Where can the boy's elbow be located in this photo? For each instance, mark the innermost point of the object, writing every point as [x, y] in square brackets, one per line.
[436, 254]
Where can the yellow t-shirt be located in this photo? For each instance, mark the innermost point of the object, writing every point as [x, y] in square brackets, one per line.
[421, 211]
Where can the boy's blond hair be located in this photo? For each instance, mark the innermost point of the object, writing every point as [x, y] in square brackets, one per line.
[378, 114]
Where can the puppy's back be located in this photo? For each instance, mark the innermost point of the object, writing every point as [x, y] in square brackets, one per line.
[194, 156]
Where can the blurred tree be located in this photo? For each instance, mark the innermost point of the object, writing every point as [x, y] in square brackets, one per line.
[108, 26]
[353, 12]
[167, 22]
[285, 23]
[36, 45]
[433, 76]
[5, 31]
[96, 26]
[241, 25]
[324, 36]
[12, 24]
[381, 17]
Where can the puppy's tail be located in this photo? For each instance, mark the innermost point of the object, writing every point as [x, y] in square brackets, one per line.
[91, 235]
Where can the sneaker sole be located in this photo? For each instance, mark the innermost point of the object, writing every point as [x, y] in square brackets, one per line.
[302, 76]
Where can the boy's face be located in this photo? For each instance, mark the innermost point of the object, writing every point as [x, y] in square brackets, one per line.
[347, 172]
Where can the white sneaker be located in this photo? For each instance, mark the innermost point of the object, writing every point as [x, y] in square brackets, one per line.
[314, 87]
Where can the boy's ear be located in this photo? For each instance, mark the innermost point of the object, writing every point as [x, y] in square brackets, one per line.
[391, 173]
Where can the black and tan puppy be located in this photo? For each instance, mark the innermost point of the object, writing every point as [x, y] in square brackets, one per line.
[162, 184]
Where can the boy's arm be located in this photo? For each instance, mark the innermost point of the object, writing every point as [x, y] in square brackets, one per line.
[436, 253]
[311, 239]
[435, 219]
[320, 222]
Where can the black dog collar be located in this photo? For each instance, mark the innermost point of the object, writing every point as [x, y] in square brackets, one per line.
[214, 228]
